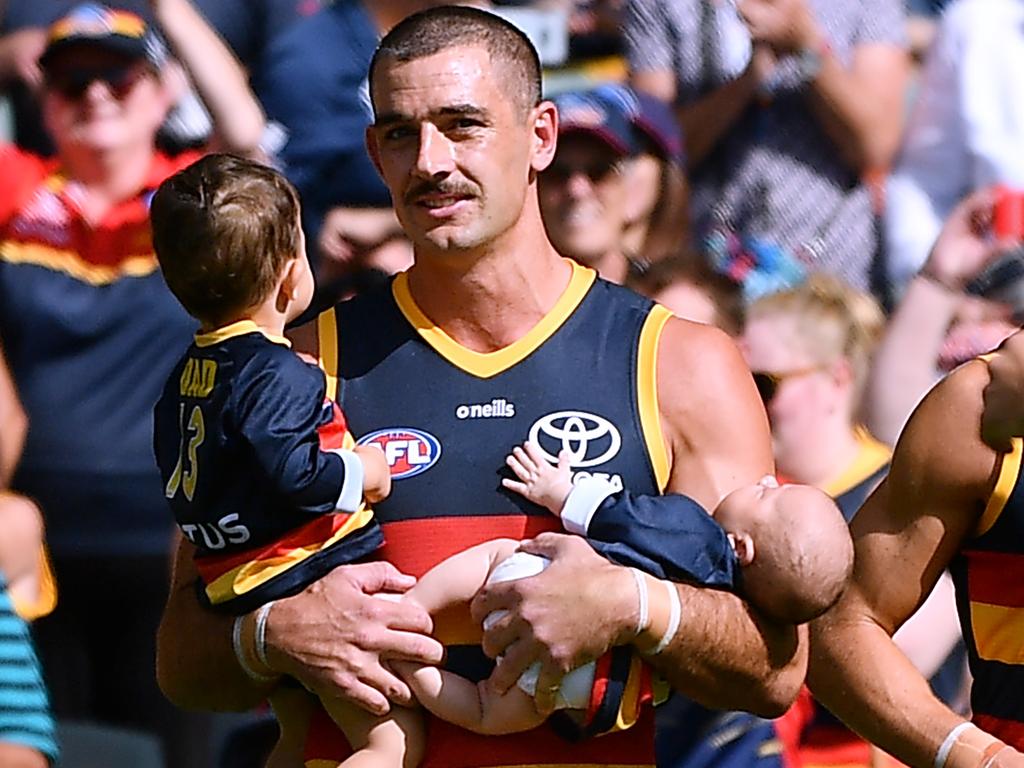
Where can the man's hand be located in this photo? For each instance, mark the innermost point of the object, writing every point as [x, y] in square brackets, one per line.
[376, 473]
[788, 26]
[1007, 757]
[19, 55]
[347, 234]
[335, 637]
[964, 246]
[550, 622]
[1003, 417]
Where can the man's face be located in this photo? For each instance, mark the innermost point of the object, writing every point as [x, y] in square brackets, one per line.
[101, 100]
[456, 152]
[583, 199]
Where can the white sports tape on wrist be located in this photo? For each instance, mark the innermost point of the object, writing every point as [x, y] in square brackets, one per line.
[675, 614]
[643, 611]
[236, 645]
[947, 746]
[260, 642]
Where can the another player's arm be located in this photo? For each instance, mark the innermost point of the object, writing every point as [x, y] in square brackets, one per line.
[905, 535]
[725, 654]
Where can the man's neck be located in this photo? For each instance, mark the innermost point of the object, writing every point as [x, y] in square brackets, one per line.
[819, 461]
[108, 178]
[494, 299]
[612, 266]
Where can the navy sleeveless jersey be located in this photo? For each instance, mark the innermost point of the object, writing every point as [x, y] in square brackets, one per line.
[446, 417]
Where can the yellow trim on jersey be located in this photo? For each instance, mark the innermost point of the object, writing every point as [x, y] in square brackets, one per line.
[240, 328]
[629, 707]
[997, 632]
[873, 455]
[327, 335]
[248, 576]
[484, 365]
[647, 392]
[1009, 470]
[73, 265]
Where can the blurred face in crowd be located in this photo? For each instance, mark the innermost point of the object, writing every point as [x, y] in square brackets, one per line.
[643, 183]
[583, 199]
[456, 152]
[800, 389]
[688, 301]
[98, 100]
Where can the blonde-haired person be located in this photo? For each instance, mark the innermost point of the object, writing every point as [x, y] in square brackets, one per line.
[811, 349]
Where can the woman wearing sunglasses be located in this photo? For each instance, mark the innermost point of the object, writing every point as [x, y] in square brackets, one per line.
[810, 350]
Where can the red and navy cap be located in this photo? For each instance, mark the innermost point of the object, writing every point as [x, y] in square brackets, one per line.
[98, 25]
[585, 112]
[651, 117]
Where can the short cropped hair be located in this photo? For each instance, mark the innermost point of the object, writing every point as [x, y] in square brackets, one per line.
[223, 230]
[437, 29]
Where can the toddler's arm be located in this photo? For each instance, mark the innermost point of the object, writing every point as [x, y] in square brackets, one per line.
[395, 740]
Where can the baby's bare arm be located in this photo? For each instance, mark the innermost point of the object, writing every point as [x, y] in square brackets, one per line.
[395, 740]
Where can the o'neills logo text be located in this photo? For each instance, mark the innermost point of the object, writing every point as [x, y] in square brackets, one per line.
[499, 408]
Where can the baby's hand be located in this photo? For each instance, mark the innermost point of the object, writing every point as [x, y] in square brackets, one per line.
[540, 482]
[376, 473]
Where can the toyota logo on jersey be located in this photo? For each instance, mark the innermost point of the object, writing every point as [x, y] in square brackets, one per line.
[409, 452]
[588, 439]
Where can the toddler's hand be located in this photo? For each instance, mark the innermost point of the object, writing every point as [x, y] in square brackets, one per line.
[538, 481]
[376, 473]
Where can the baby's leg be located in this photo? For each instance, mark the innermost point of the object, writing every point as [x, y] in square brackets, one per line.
[473, 706]
[395, 740]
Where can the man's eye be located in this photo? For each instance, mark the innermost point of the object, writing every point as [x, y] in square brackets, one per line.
[397, 134]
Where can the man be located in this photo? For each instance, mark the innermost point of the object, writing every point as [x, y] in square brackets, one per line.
[583, 193]
[786, 106]
[479, 345]
[949, 501]
[87, 322]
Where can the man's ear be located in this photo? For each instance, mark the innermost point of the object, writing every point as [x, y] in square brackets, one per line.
[544, 124]
[743, 545]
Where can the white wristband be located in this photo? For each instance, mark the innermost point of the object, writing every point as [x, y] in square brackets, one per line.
[236, 644]
[947, 746]
[641, 588]
[675, 615]
[260, 641]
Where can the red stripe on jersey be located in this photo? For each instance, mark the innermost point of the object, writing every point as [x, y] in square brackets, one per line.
[988, 578]
[1010, 731]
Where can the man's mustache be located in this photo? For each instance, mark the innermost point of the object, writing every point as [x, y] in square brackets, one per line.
[443, 188]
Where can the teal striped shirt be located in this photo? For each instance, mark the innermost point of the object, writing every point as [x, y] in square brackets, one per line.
[24, 706]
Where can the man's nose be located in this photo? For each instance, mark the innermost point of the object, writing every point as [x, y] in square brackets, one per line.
[436, 153]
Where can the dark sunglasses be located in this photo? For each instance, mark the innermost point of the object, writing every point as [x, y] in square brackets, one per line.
[596, 171]
[768, 383]
[72, 83]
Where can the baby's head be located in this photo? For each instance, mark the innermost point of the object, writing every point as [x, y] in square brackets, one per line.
[793, 545]
[227, 234]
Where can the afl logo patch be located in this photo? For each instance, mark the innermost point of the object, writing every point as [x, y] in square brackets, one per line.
[588, 439]
[409, 452]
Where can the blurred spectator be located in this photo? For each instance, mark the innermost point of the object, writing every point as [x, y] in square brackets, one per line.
[811, 349]
[657, 214]
[966, 128]
[583, 193]
[26, 726]
[90, 332]
[939, 323]
[687, 286]
[785, 105]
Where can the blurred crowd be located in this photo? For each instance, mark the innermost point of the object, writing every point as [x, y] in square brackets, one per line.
[834, 183]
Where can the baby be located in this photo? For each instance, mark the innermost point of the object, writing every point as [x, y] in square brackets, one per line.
[791, 544]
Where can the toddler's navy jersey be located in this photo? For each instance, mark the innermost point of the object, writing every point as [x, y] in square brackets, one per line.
[238, 438]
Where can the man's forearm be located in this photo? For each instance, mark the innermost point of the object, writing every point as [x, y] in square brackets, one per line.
[725, 656]
[864, 679]
[195, 660]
